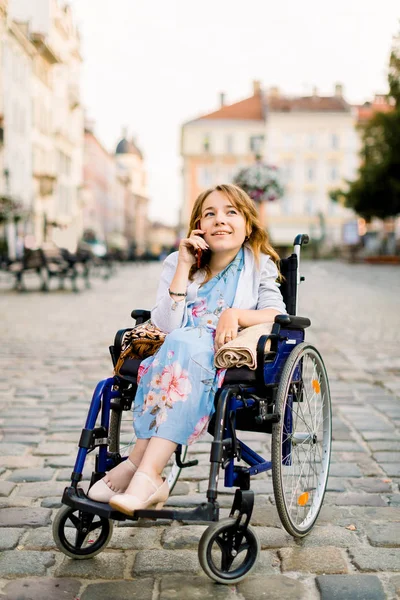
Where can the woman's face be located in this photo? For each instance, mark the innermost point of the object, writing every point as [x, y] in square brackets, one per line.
[223, 224]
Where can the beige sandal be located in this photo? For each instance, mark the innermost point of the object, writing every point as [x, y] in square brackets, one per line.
[102, 491]
[127, 503]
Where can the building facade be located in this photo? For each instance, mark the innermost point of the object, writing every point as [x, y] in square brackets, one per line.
[162, 239]
[57, 121]
[130, 165]
[312, 140]
[17, 159]
[44, 166]
[104, 194]
[44, 175]
[215, 146]
[98, 178]
[3, 34]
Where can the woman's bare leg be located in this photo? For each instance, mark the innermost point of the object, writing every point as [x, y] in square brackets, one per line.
[138, 451]
[155, 458]
[120, 476]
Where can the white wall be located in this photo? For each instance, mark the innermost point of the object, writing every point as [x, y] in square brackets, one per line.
[36, 11]
[225, 136]
[315, 153]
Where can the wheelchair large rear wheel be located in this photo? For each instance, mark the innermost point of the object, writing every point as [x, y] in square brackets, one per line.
[122, 439]
[301, 440]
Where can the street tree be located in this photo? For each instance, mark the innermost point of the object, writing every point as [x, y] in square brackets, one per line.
[376, 191]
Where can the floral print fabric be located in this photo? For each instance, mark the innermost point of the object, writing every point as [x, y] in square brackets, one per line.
[176, 386]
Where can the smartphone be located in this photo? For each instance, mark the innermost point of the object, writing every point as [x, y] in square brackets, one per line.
[199, 251]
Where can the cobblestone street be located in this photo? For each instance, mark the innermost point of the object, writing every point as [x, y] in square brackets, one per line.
[54, 350]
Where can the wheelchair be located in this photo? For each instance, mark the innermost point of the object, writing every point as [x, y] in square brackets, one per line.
[286, 396]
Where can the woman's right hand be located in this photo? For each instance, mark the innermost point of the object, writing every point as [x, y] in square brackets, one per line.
[188, 247]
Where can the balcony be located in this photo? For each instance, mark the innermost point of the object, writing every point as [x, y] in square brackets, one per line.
[46, 183]
[44, 48]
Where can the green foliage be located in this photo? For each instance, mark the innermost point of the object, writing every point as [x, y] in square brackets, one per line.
[9, 209]
[376, 191]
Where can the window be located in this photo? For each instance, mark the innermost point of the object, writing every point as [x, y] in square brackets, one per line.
[333, 173]
[287, 171]
[285, 205]
[332, 207]
[229, 143]
[310, 172]
[206, 143]
[309, 204]
[311, 140]
[205, 177]
[288, 140]
[334, 141]
[256, 143]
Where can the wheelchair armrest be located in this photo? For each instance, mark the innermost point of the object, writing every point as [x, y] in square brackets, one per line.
[117, 347]
[292, 321]
[140, 315]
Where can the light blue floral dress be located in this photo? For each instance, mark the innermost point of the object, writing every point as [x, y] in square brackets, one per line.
[177, 385]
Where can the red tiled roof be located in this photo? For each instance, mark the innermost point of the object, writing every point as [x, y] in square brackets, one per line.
[250, 108]
[366, 111]
[307, 103]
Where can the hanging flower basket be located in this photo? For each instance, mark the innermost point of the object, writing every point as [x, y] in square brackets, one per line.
[10, 209]
[260, 181]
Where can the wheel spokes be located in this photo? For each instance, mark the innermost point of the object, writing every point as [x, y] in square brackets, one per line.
[225, 543]
[80, 537]
[74, 520]
[95, 525]
[303, 434]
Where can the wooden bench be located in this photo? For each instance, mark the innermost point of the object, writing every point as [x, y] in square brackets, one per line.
[81, 261]
[51, 262]
[59, 264]
[33, 261]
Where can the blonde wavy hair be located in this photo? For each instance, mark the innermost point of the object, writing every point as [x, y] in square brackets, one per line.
[257, 238]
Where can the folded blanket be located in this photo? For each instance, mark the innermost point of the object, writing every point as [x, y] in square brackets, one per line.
[242, 351]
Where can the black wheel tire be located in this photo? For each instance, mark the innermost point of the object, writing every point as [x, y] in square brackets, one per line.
[59, 524]
[298, 354]
[210, 536]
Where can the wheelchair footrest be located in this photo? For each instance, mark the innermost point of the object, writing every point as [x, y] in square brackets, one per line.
[76, 498]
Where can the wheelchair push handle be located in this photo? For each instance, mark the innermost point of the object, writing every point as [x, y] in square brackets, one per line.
[140, 315]
[301, 239]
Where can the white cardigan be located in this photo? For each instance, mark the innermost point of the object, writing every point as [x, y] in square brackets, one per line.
[257, 289]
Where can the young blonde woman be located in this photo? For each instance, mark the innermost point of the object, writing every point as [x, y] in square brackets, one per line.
[201, 306]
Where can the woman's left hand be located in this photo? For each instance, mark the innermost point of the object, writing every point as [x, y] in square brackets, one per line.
[227, 328]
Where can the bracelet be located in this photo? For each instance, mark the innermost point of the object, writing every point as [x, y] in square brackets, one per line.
[176, 293]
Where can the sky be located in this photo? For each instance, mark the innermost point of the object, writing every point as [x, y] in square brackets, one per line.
[151, 65]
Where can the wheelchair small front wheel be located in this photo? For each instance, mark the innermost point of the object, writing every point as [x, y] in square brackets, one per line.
[301, 440]
[228, 553]
[81, 535]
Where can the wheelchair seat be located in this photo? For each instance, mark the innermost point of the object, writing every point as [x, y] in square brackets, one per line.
[129, 371]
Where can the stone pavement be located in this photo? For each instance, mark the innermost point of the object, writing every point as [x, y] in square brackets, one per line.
[55, 348]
